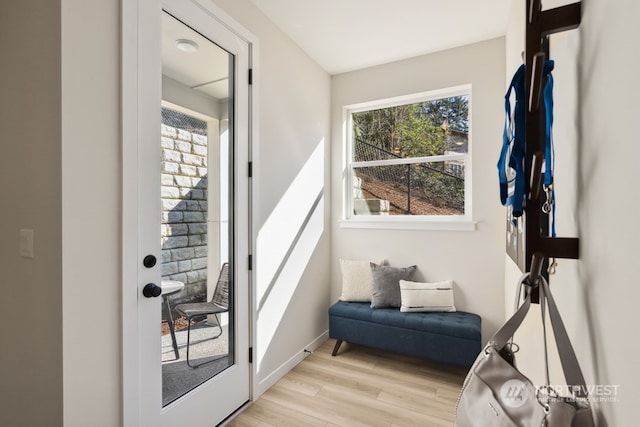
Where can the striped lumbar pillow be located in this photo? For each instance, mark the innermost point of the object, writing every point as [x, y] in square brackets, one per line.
[416, 296]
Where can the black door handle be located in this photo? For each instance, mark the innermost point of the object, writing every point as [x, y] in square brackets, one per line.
[151, 290]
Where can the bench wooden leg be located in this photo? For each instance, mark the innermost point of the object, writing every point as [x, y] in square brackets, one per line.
[337, 346]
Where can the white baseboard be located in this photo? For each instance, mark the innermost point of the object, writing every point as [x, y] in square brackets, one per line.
[276, 375]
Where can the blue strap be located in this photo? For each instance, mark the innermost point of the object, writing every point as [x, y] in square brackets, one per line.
[549, 153]
[512, 153]
[504, 152]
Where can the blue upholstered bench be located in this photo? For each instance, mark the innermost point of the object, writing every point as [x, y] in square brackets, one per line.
[453, 338]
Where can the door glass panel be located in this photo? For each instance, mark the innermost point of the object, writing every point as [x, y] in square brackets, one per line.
[197, 219]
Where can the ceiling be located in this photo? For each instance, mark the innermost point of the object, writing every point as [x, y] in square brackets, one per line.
[346, 35]
[205, 70]
[341, 35]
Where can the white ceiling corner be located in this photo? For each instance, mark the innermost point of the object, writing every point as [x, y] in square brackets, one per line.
[346, 35]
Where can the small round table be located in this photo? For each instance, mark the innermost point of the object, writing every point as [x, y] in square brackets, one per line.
[171, 287]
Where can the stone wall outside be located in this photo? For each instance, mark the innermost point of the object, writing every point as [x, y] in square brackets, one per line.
[184, 211]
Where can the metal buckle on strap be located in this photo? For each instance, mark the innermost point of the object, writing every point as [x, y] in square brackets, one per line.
[513, 347]
[549, 392]
[548, 191]
[491, 346]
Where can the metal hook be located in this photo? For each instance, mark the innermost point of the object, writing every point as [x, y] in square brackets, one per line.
[552, 266]
[536, 268]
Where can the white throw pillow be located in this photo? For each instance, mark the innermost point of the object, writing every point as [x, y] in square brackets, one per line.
[356, 280]
[417, 296]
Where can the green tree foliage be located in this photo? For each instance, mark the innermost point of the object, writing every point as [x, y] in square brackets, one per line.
[413, 130]
[454, 110]
[417, 134]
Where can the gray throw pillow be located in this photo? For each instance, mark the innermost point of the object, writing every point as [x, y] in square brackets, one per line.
[386, 284]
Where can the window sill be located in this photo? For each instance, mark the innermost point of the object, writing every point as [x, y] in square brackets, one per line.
[410, 223]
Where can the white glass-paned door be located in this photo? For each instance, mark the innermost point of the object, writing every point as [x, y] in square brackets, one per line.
[193, 216]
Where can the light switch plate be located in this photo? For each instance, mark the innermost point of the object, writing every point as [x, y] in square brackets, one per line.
[26, 243]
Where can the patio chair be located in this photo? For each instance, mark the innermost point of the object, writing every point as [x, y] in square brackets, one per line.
[219, 303]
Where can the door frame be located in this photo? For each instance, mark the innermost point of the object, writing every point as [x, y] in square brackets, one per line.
[133, 30]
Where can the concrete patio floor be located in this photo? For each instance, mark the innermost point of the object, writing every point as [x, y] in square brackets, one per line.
[177, 377]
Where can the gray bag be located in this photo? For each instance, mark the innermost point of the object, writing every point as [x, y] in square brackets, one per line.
[496, 394]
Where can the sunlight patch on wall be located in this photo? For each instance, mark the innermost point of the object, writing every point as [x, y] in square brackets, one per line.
[275, 305]
[285, 244]
[280, 229]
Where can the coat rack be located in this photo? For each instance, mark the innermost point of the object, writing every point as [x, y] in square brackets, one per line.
[535, 246]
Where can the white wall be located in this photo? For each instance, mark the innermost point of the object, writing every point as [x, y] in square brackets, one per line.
[610, 197]
[91, 194]
[292, 194]
[30, 198]
[596, 117]
[473, 259]
[60, 139]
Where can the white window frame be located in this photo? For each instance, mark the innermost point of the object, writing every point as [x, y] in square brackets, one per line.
[429, 222]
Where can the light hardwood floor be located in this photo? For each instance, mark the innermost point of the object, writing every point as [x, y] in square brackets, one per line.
[360, 387]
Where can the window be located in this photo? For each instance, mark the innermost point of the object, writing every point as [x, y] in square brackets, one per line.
[408, 158]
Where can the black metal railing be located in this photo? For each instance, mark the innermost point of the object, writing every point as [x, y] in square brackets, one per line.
[440, 185]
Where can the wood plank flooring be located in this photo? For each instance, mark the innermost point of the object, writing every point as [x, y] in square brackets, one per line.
[360, 387]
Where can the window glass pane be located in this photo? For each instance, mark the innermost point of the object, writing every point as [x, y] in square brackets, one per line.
[428, 128]
[198, 299]
[435, 188]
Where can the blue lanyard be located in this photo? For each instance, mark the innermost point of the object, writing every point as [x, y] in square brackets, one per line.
[549, 152]
[512, 154]
[513, 147]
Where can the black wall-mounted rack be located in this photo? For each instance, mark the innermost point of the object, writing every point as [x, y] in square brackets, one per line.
[534, 246]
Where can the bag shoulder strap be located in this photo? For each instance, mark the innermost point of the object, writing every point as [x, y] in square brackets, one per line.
[504, 334]
[570, 366]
